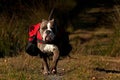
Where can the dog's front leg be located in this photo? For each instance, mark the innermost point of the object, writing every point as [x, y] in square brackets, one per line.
[51, 48]
[55, 60]
[45, 65]
[44, 59]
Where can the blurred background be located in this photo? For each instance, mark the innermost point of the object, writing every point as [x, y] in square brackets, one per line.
[93, 25]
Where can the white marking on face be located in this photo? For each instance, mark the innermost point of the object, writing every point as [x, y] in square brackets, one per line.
[49, 48]
[48, 26]
[44, 35]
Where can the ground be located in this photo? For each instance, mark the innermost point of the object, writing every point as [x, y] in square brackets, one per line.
[77, 67]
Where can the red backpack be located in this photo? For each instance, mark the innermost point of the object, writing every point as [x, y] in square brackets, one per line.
[33, 37]
[33, 30]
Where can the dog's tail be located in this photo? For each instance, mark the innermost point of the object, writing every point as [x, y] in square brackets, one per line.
[51, 13]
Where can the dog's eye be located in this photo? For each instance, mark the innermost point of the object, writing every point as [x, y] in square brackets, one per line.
[44, 28]
[52, 27]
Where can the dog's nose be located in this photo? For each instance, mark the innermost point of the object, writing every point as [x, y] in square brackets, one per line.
[48, 32]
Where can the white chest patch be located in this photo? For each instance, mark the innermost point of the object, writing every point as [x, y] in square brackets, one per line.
[49, 48]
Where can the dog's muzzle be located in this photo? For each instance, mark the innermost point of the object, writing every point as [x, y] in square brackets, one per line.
[48, 36]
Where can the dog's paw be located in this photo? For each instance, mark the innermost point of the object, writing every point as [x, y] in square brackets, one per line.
[53, 71]
[46, 73]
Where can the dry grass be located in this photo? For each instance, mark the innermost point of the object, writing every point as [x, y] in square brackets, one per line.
[79, 67]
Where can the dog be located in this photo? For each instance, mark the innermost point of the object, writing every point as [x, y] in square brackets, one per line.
[48, 32]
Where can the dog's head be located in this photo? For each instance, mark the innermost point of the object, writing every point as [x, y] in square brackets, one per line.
[48, 30]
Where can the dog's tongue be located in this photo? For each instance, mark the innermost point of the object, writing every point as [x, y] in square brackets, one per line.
[48, 38]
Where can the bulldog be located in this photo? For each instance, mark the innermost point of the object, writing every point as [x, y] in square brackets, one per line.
[48, 31]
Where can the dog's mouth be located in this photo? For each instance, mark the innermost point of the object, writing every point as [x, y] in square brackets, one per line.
[49, 38]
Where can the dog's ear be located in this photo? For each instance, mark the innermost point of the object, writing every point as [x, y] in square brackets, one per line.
[52, 20]
[43, 20]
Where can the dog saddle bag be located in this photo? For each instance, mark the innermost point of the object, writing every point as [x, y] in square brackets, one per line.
[31, 47]
[33, 32]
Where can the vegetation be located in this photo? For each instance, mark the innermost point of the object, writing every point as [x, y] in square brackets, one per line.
[94, 33]
[16, 17]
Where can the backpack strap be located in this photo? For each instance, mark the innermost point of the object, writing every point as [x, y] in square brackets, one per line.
[41, 41]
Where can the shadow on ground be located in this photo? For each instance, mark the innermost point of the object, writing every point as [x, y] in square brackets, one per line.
[106, 70]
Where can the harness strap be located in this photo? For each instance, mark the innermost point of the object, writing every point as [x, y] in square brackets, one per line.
[40, 41]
